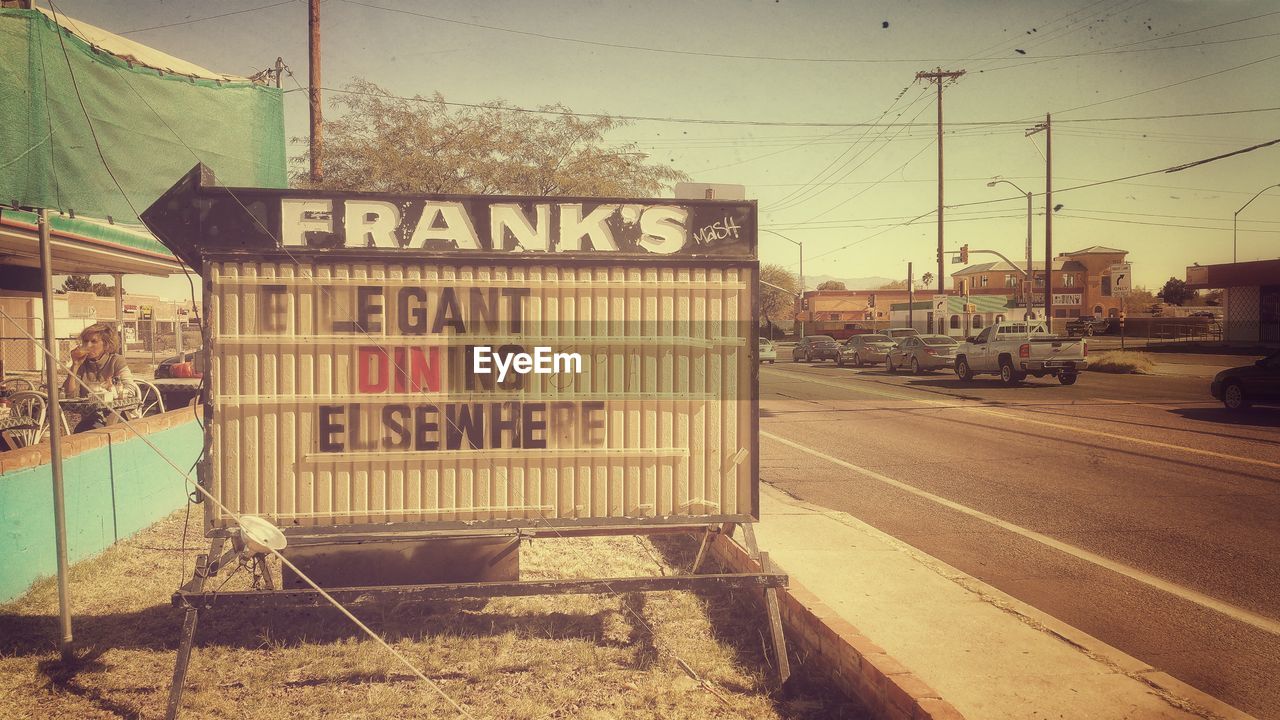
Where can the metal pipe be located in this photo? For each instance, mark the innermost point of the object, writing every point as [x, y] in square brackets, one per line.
[54, 414]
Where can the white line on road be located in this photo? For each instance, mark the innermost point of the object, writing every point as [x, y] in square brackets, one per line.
[1045, 423]
[1199, 598]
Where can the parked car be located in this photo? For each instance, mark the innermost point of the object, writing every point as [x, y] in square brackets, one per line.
[923, 352]
[767, 352]
[1240, 387]
[194, 359]
[1087, 326]
[896, 334]
[1015, 350]
[862, 350]
[1204, 314]
[816, 347]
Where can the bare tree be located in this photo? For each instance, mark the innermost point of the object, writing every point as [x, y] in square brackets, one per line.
[383, 143]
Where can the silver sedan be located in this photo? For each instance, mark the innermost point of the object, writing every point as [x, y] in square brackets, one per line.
[923, 352]
[862, 350]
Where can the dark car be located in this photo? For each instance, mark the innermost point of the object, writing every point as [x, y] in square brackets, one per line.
[1088, 326]
[816, 347]
[1240, 387]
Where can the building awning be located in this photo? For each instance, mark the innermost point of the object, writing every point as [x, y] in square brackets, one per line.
[83, 246]
[1258, 272]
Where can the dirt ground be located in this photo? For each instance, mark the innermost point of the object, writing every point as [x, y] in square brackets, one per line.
[574, 656]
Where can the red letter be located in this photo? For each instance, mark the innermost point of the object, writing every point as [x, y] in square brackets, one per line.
[365, 380]
[424, 369]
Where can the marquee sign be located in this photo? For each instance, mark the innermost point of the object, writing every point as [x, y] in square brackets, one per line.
[473, 361]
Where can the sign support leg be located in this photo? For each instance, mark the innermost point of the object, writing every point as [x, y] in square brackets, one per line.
[189, 622]
[770, 606]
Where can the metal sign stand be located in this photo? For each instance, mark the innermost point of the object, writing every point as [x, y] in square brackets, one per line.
[195, 600]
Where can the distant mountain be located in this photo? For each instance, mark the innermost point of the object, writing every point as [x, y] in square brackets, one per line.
[861, 283]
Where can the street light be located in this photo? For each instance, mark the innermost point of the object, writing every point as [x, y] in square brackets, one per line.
[1030, 278]
[1236, 217]
[801, 246]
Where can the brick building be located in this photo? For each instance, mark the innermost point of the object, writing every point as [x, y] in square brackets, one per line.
[827, 307]
[1081, 282]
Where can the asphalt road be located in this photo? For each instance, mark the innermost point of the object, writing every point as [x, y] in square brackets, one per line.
[1135, 508]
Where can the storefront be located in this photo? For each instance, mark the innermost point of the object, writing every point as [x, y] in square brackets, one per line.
[1251, 298]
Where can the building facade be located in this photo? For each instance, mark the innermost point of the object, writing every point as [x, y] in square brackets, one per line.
[835, 312]
[1250, 298]
[1081, 282]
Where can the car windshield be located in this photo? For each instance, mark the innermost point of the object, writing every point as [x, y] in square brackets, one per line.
[876, 338]
[938, 340]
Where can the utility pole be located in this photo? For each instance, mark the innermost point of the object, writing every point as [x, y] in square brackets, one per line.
[911, 298]
[938, 77]
[317, 120]
[1047, 127]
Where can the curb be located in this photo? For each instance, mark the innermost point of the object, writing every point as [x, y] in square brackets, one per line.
[1174, 691]
[858, 666]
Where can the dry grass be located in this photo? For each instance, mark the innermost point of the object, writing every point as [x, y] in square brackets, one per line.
[1122, 362]
[575, 656]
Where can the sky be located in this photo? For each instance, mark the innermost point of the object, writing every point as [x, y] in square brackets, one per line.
[815, 107]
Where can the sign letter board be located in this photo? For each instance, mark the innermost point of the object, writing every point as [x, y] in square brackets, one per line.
[473, 361]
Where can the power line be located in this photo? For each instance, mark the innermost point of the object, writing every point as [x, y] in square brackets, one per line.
[209, 17]
[766, 123]
[1166, 87]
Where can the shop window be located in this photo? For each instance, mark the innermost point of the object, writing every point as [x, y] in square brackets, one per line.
[1010, 281]
[834, 316]
[999, 318]
[977, 322]
[955, 322]
[1097, 311]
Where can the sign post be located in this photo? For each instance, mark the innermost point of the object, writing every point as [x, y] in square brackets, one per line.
[1121, 285]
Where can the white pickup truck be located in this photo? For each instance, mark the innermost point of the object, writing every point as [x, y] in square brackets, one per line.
[1015, 350]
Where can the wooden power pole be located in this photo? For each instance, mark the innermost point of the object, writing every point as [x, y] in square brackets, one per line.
[317, 118]
[939, 77]
[1047, 127]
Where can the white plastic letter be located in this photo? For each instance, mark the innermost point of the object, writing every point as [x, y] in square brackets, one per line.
[458, 227]
[662, 229]
[573, 226]
[294, 222]
[371, 218]
[508, 216]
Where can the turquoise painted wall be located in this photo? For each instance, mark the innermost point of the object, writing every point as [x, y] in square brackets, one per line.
[111, 493]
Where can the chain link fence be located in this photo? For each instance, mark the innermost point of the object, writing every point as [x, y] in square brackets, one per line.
[146, 344]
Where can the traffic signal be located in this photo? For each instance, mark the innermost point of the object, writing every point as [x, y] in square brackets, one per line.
[964, 287]
[871, 300]
[964, 254]
[804, 303]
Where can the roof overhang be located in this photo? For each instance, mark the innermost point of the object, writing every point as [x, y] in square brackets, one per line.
[83, 246]
[1258, 272]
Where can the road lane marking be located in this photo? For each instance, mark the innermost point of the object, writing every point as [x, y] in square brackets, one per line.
[1237, 613]
[1045, 423]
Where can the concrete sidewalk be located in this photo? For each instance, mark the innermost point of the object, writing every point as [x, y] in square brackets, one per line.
[987, 654]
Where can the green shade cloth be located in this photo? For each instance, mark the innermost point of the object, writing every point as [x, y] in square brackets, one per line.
[151, 126]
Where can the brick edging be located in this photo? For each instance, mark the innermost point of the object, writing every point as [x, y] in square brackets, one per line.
[73, 445]
[858, 666]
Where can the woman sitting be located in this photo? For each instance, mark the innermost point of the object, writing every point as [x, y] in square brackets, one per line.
[101, 371]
